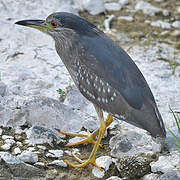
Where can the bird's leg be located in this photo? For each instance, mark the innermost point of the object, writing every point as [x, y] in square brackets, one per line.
[91, 159]
[90, 137]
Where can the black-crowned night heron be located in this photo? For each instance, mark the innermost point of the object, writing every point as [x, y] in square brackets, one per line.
[104, 74]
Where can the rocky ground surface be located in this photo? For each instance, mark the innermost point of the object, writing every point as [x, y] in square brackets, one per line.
[31, 107]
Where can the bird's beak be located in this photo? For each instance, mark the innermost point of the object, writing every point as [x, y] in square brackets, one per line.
[37, 24]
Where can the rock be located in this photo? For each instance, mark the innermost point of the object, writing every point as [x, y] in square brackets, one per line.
[56, 153]
[93, 7]
[3, 89]
[4, 137]
[17, 151]
[126, 18]
[129, 143]
[175, 33]
[112, 6]
[40, 164]
[123, 38]
[134, 166]
[6, 147]
[41, 135]
[60, 163]
[51, 113]
[18, 168]
[91, 125]
[107, 22]
[124, 2]
[165, 163]
[171, 175]
[114, 178]
[104, 162]
[147, 8]
[41, 147]
[166, 12]
[178, 9]
[151, 176]
[1, 131]
[176, 24]
[161, 24]
[28, 157]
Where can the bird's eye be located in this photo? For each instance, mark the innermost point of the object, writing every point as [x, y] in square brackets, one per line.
[54, 24]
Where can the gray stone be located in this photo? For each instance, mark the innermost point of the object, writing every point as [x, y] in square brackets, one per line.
[171, 175]
[147, 8]
[28, 157]
[3, 89]
[18, 168]
[56, 153]
[59, 163]
[165, 163]
[161, 24]
[112, 6]
[4, 137]
[17, 150]
[51, 113]
[129, 143]
[107, 22]
[41, 135]
[93, 7]
[1, 131]
[5, 147]
[91, 125]
[104, 162]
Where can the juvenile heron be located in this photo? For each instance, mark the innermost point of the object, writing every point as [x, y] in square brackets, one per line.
[104, 73]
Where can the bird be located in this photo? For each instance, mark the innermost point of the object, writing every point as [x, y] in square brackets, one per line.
[104, 74]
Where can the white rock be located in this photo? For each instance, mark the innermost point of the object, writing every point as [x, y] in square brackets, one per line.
[56, 153]
[6, 147]
[107, 22]
[112, 6]
[151, 176]
[165, 12]
[28, 156]
[31, 149]
[60, 163]
[176, 24]
[162, 24]
[42, 147]
[156, 147]
[18, 130]
[124, 2]
[104, 162]
[39, 164]
[147, 8]
[76, 138]
[1, 131]
[19, 143]
[17, 150]
[7, 137]
[93, 7]
[127, 18]
[165, 163]
[178, 9]
[114, 178]
[9, 141]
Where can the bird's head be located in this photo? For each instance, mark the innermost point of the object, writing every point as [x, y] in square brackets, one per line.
[62, 22]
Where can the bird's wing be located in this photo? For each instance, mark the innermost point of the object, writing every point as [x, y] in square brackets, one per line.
[111, 63]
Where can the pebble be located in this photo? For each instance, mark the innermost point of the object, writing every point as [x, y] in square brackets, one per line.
[1, 131]
[127, 18]
[6, 147]
[41, 164]
[56, 153]
[28, 156]
[17, 150]
[104, 162]
[147, 8]
[42, 147]
[176, 24]
[161, 24]
[7, 137]
[124, 2]
[114, 178]
[60, 163]
[112, 6]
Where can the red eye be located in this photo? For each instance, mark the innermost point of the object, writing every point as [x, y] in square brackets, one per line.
[54, 24]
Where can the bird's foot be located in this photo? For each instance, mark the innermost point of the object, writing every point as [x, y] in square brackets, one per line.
[91, 161]
[89, 138]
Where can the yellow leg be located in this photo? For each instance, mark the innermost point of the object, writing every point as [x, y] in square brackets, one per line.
[91, 159]
[90, 137]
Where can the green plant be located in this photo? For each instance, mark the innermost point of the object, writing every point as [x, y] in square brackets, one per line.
[176, 141]
[61, 92]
